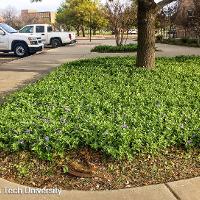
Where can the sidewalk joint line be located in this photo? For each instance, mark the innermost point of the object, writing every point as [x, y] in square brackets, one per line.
[172, 191]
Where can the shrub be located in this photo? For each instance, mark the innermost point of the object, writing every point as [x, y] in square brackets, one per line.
[181, 41]
[159, 38]
[184, 40]
[115, 49]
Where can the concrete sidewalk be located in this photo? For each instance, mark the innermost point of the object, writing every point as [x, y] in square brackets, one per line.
[179, 190]
[17, 72]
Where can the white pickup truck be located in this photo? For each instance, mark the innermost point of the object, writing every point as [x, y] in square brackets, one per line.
[49, 37]
[22, 45]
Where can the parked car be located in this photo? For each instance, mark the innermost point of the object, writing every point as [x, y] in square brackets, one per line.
[45, 31]
[22, 45]
[132, 31]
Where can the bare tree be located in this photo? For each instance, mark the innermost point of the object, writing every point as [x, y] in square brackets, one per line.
[121, 17]
[30, 19]
[195, 20]
[181, 17]
[10, 16]
[169, 12]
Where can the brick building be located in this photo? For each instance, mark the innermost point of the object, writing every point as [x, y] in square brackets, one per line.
[184, 12]
[42, 17]
[184, 7]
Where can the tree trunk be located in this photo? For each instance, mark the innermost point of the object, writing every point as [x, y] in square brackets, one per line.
[83, 30]
[78, 31]
[117, 37]
[198, 40]
[146, 33]
[185, 33]
[122, 37]
[94, 31]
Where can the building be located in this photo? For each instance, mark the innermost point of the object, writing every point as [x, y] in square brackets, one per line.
[41, 17]
[184, 12]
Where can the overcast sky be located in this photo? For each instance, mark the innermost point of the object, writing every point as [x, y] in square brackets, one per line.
[45, 5]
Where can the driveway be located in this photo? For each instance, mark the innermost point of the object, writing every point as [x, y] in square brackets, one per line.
[14, 74]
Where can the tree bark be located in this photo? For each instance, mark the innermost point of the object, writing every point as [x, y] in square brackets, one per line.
[147, 10]
[78, 30]
[198, 40]
[94, 31]
[83, 30]
[117, 37]
[122, 37]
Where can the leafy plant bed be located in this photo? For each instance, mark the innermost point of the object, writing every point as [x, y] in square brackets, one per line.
[182, 42]
[115, 49]
[117, 111]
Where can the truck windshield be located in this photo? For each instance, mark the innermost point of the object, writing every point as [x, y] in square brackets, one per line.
[7, 28]
[27, 29]
[49, 29]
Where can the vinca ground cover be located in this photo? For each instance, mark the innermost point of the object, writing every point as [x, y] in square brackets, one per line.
[105, 121]
[108, 105]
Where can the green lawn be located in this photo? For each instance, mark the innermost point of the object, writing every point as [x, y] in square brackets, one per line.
[106, 104]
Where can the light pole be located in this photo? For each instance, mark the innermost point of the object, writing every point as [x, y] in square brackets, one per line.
[90, 26]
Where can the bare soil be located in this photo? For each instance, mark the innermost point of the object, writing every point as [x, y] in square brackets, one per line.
[89, 170]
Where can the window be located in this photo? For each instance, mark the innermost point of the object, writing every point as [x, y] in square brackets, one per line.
[39, 29]
[7, 28]
[1, 32]
[49, 29]
[190, 13]
[27, 29]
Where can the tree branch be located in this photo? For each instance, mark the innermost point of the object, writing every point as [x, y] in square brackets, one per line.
[163, 3]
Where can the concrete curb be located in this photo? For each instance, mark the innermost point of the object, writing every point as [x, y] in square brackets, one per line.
[182, 190]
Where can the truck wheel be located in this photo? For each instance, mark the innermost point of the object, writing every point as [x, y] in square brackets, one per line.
[21, 50]
[56, 43]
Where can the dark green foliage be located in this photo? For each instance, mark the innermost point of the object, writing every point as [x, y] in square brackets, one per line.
[106, 104]
[159, 38]
[181, 41]
[115, 49]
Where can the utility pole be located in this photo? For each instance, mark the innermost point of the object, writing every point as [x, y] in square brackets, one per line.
[90, 26]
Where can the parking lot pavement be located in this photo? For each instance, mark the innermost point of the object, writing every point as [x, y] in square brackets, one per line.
[14, 77]
[7, 57]
[22, 71]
